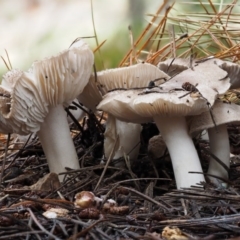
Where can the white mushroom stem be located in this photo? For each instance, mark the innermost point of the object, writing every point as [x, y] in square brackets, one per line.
[57, 142]
[181, 149]
[128, 135]
[220, 147]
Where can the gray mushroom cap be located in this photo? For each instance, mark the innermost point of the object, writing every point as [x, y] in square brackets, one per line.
[209, 79]
[170, 98]
[222, 113]
[233, 71]
[135, 76]
[175, 66]
[118, 104]
[138, 107]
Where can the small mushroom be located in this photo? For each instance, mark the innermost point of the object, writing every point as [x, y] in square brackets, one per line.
[34, 101]
[223, 113]
[136, 76]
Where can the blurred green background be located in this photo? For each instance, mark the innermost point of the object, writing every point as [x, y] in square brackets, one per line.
[34, 29]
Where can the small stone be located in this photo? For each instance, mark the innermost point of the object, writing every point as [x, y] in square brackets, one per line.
[48, 183]
[56, 212]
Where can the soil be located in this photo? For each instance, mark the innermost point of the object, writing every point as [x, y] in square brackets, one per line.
[144, 194]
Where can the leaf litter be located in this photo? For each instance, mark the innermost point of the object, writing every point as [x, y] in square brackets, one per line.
[141, 200]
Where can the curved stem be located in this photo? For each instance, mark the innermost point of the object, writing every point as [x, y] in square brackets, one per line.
[181, 149]
[220, 147]
[57, 142]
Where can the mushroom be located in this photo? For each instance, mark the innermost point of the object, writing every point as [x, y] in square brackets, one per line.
[168, 105]
[174, 66]
[168, 112]
[34, 101]
[136, 76]
[218, 137]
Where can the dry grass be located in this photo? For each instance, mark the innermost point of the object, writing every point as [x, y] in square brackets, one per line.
[212, 30]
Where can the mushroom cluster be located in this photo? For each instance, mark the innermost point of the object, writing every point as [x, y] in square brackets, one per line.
[191, 91]
[180, 96]
[215, 120]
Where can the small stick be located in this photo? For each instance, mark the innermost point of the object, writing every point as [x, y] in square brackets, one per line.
[132, 54]
[8, 59]
[5, 157]
[107, 163]
[171, 32]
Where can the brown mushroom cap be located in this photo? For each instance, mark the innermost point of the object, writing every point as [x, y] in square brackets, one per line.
[222, 113]
[156, 146]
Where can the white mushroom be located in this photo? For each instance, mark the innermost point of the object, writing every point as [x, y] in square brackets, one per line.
[218, 137]
[175, 66]
[34, 102]
[136, 76]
